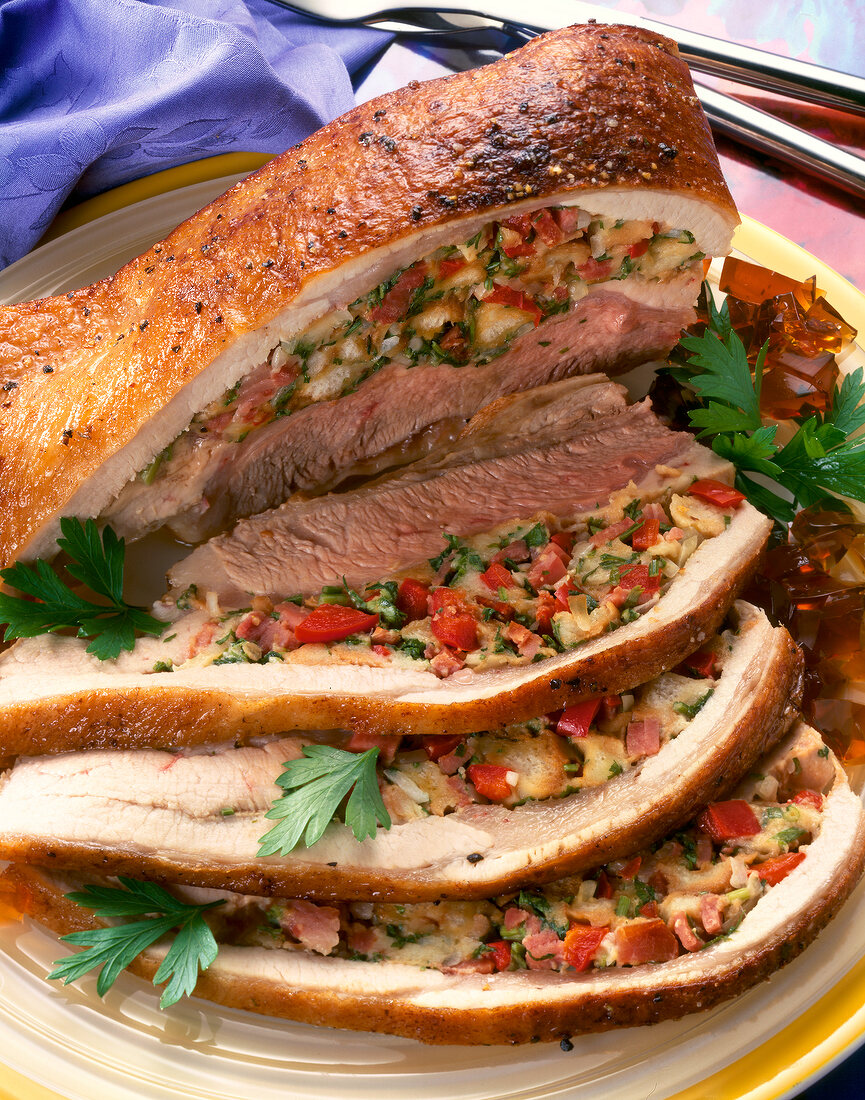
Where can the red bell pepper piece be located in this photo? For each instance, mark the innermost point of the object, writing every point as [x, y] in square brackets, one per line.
[453, 623]
[638, 249]
[546, 228]
[331, 622]
[547, 607]
[497, 576]
[449, 600]
[611, 704]
[701, 664]
[395, 303]
[577, 720]
[773, 870]
[727, 820]
[632, 575]
[647, 535]
[412, 599]
[451, 264]
[605, 887]
[456, 631]
[715, 492]
[630, 869]
[564, 539]
[507, 296]
[436, 747]
[581, 945]
[808, 798]
[501, 952]
[489, 780]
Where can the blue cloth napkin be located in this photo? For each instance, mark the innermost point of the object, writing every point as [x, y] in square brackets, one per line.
[95, 93]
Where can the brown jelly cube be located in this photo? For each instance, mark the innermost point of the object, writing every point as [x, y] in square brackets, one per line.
[842, 722]
[751, 282]
[825, 536]
[785, 394]
[827, 329]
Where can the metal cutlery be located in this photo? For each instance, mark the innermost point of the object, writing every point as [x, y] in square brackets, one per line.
[740, 121]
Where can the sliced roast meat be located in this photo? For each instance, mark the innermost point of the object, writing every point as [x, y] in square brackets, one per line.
[197, 818]
[468, 1003]
[563, 448]
[395, 416]
[54, 696]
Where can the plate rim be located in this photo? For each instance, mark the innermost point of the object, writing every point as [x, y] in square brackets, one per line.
[834, 1026]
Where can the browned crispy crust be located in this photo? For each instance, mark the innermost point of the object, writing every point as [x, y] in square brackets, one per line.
[584, 1008]
[771, 709]
[83, 373]
[134, 717]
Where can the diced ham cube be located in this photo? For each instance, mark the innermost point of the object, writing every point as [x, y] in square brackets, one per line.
[515, 551]
[395, 303]
[543, 950]
[685, 933]
[567, 218]
[361, 938]
[645, 941]
[451, 762]
[654, 510]
[203, 638]
[549, 567]
[704, 849]
[526, 642]
[446, 663]
[462, 794]
[607, 534]
[643, 737]
[514, 917]
[316, 927]
[711, 913]
[484, 964]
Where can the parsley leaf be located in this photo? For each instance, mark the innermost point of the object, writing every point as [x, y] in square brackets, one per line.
[114, 947]
[847, 412]
[818, 462]
[96, 562]
[314, 786]
[723, 373]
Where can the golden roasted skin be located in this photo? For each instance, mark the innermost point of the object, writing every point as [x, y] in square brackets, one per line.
[81, 375]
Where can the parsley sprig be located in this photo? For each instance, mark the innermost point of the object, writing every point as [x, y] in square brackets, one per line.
[820, 461]
[114, 947]
[313, 789]
[97, 563]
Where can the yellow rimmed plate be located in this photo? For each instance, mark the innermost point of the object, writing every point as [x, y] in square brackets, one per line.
[65, 1042]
